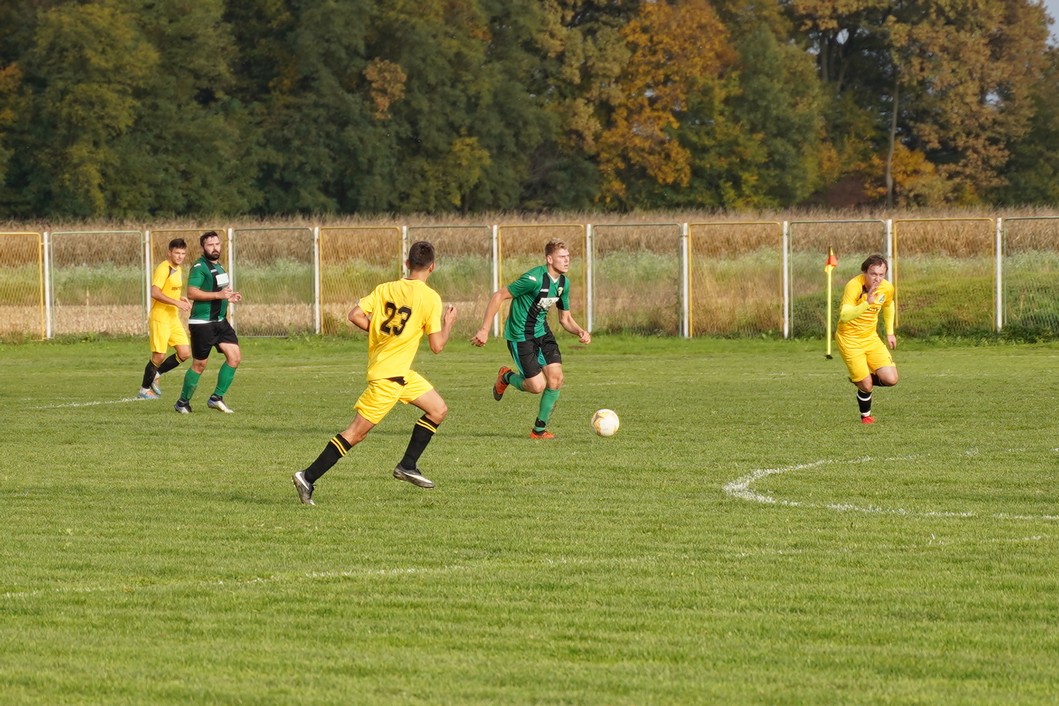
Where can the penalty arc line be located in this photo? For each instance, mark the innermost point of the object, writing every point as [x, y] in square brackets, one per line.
[740, 488]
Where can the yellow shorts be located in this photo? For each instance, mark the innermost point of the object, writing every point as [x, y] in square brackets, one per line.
[864, 357]
[381, 395]
[167, 332]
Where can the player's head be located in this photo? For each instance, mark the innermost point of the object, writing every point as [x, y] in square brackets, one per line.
[874, 261]
[557, 255]
[210, 243]
[420, 256]
[178, 248]
[874, 269]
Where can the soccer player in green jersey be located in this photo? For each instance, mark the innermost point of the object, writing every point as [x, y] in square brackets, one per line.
[396, 315]
[209, 288]
[164, 324]
[533, 348]
[867, 358]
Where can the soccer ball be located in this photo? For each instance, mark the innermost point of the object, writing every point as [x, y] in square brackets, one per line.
[605, 422]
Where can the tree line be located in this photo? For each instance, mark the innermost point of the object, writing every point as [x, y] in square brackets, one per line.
[137, 108]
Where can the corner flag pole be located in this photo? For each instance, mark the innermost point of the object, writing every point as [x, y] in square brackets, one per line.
[831, 264]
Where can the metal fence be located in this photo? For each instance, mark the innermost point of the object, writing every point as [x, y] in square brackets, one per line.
[954, 276]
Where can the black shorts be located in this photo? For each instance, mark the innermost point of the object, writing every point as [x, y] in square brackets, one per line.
[211, 335]
[532, 355]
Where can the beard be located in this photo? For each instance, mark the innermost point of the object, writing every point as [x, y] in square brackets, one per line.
[212, 257]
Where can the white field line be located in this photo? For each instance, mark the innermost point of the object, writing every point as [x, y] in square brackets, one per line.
[740, 488]
[123, 400]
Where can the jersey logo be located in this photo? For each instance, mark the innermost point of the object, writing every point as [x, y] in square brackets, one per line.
[560, 291]
[531, 278]
[547, 303]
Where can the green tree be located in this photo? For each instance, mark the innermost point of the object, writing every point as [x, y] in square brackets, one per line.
[583, 54]
[187, 152]
[1032, 174]
[779, 102]
[87, 64]
[946, 78]
[678, 50]
[302, 82]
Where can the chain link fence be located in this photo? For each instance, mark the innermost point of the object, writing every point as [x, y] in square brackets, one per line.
[953, 276]
[22, 309]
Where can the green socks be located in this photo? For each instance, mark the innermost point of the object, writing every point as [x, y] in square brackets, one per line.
[548, 399]
[515, 380]
[191, 381]
[224, 379]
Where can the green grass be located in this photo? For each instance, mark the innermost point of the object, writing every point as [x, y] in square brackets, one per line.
[742, 539]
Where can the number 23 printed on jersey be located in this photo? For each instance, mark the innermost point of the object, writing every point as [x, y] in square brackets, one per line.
[396, 319]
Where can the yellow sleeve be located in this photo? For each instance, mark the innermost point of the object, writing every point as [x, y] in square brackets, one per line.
[849, 309]
[161, 274]
[889, 313]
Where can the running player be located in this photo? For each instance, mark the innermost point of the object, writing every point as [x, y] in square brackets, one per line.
[395, 315]
[533, 348]
[209, 286]
[164, 326]
[867, 358]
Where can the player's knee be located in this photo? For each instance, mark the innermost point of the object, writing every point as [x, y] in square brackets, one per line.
[534, 385]
[437, 414]
[354, 435]
[888, 378]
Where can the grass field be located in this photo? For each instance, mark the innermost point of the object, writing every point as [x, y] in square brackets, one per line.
[741, 540]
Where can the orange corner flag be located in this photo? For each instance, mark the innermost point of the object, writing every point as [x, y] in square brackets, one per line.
[832, 261]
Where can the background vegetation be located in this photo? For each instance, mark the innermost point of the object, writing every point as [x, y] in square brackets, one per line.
[159, 108]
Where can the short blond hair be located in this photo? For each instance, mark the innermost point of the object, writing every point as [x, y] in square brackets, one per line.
[553, 245]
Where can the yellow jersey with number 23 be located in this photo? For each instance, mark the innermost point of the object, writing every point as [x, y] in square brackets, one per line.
[401, 312]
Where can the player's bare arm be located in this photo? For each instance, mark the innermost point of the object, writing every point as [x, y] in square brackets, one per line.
[156, 293]
[359, 318]
[566, 320]
[197, 295]
[499, 297]
[438, 339]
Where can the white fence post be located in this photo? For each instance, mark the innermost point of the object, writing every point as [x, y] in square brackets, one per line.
[685, 282]
[317, 326]
[785, 240]
[496, 273]
[589, 275]
[999, 274]
[48, 330]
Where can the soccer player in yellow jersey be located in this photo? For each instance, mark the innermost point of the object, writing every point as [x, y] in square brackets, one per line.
[166, 329]
[395, 315]
[867, 358]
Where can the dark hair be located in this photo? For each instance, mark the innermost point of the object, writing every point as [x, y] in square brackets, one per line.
[207, 234]
[874, 260]
[177, 243]
[420, 255]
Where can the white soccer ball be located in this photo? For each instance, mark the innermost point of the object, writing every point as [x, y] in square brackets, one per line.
[605, 422]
